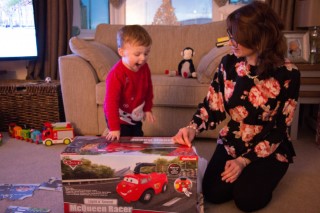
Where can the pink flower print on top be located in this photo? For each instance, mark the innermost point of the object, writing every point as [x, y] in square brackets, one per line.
[271, 87]
[228, 89]
[263, 90]
[241, 68]
[215, 100]
[231, 151]
[281, 158]
[247, 132]
[238, 113]
[288, 110]
[224, 131]
[256, 97]
[263, 149]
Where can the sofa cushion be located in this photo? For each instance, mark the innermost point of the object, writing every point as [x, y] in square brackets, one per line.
[210, 62]
[101, 57]
[169, 91]
[177, 91]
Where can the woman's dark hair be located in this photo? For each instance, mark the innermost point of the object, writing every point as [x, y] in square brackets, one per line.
[256, 26]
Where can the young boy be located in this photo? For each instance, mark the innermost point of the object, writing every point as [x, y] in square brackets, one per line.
[129, 92]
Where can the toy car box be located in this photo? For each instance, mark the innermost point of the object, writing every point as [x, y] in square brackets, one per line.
[137, 174]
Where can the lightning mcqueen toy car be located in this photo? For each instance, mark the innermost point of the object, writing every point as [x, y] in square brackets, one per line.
[141, 186]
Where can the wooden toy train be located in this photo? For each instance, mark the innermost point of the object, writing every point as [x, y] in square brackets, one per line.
[52, 133]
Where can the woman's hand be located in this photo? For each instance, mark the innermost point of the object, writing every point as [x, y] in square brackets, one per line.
[184, 136]
[233, 169]
[113, 135]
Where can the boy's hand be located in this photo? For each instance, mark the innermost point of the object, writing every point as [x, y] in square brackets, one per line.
[149, 117]
[113, 135]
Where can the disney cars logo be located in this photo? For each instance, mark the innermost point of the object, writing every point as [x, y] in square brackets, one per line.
[142, 186]
[72, 163]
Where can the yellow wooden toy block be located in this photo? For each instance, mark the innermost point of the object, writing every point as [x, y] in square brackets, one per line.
[222, 39]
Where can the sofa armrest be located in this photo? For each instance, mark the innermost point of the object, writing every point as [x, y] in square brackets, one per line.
[78, 83]
[210, 62]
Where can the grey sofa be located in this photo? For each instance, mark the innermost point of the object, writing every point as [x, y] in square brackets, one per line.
[83, 73]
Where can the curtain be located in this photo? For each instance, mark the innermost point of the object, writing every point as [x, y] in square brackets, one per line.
[285, 9]
[53, 22]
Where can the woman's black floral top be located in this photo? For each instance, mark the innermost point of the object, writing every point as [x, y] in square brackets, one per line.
[261, 109]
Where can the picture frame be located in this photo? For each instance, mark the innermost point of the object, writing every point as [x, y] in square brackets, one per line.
[298, 46]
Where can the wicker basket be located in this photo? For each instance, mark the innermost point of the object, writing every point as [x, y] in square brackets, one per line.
[30, 103]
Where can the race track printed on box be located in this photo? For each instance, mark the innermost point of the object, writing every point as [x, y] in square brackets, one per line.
[139, 174]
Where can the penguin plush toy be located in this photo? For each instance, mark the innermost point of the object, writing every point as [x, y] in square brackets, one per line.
[186, 68]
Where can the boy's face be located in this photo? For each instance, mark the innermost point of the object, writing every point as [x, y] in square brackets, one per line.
[133, 56]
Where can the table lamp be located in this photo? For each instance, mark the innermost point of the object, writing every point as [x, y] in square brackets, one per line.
[307, 14]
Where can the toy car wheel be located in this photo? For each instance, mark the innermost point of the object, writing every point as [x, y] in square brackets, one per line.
[66, 141]
[164, 188]
[48, 142]
[146, 196]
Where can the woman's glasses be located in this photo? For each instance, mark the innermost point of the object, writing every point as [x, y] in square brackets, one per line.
[233, 42]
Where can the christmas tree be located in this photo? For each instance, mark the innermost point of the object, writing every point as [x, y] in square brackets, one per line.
[165, 14]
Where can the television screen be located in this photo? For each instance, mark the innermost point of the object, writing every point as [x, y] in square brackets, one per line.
[17, 30]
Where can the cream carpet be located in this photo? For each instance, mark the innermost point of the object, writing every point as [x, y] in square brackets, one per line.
[25, 163]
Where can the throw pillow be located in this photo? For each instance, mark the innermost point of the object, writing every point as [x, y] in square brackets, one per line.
[210, 62]
[101, 57]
